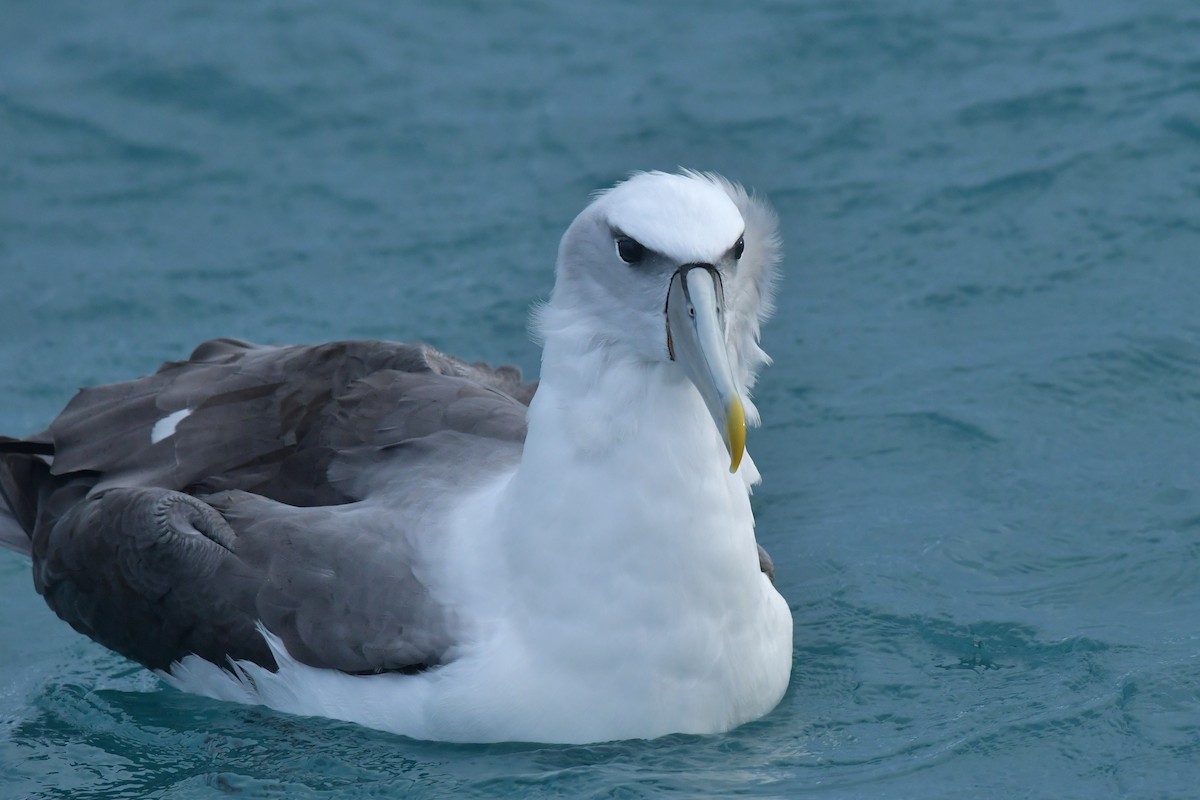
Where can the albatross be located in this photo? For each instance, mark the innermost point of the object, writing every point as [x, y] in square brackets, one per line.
[386, 534]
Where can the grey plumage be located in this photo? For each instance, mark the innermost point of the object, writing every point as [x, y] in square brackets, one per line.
[257, 507]
[297, 492]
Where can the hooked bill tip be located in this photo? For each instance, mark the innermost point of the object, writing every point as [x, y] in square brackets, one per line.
[735, 432]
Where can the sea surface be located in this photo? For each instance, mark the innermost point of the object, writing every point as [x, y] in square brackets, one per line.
[981, 433]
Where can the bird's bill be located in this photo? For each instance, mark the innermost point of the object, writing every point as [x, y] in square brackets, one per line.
[696, 339]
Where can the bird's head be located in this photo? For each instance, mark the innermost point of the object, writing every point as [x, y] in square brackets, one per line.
[677, 268]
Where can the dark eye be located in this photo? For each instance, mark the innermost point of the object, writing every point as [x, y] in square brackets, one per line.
[630, 251]
[739, 247]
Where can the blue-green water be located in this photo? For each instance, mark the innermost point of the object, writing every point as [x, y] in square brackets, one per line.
[981, 440]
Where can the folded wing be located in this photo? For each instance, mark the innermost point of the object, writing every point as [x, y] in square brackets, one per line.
[170, 514]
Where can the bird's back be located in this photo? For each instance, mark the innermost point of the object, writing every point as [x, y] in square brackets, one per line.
[172, 514]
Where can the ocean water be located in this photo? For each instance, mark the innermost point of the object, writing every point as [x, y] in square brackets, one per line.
[981, 439]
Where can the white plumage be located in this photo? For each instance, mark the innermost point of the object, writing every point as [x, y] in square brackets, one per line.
[604, 584]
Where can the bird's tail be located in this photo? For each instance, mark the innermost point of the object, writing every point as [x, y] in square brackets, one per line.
[21, 467]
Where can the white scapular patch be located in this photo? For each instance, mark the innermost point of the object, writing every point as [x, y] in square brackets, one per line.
[166, 426]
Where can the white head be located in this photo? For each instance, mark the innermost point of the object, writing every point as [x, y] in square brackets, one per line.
[629, 270]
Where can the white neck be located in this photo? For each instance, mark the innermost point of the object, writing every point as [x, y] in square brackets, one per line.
[624, 481]
[631, 569]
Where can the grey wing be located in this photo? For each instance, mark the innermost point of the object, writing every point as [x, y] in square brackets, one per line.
[258, 505]
[766, 565]
[271, 420]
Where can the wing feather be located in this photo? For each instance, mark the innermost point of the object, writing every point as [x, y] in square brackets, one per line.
[257, 507]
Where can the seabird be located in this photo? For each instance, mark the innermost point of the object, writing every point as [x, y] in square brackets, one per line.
[383, 533]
